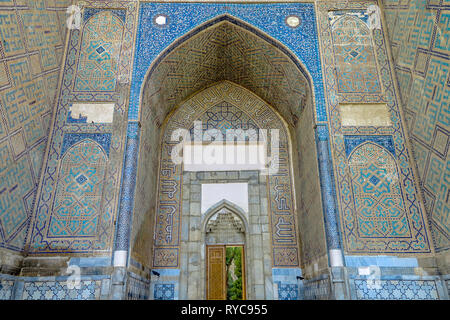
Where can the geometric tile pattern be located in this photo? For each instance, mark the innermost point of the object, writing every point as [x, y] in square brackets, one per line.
[164, 292]
[217, 107]
[396, 290]
[6, 289]
[355, 60]
[77, 207]
[58, 290]
[95, 216]
[99, 56]
[420, 39]
[32, 34]
[17, 135]
[380, 211]
[407, 197]
[288, 291]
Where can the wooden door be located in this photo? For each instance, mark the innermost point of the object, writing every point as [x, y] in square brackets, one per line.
[216, 288]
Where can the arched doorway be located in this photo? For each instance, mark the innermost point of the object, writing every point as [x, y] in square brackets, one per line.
[225, 230]
[227, 65]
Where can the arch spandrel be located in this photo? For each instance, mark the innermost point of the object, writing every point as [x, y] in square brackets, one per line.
[225, 51]
[100, 52]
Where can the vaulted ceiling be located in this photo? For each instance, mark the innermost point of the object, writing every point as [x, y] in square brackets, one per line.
[225, 52]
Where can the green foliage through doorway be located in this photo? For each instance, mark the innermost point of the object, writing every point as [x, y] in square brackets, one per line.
[233, 263]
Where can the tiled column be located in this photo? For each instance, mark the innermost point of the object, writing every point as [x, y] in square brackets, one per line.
[328, 197]
[125, 210]
[127, 195]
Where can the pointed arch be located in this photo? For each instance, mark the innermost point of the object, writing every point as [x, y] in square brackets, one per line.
[224, 204]
[100, 53]
[225, 223]
[73, 146]
[377, 192]
[354, 56]
[389, 152]
[77, 207]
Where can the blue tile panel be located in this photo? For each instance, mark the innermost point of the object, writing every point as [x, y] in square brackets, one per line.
[57, 290]
[32, 37]
[406, 231]
[103, 139]
[327, 188]
[6, 289]
[90, 12]
[65, 135]
[287, 282]
[288, 291]
[396, 289]
[164, 292]
[91, 287]
[419, 33]
[351, 142]
[128, 188]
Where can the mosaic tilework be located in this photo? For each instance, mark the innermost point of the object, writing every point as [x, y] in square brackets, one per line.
[184, 17]
[419, 242]
[128, 187]
[354, 56]
[380, 210]
[288, 292]
[6, 289]
[185, 22]
[58, 290]
[64, 134]
[419, 35]
[103, 140]
[164, 292]
[32, 34]
[396, 290]
[99, 55]
[218, 99]
[77, 208]
[351, 142]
